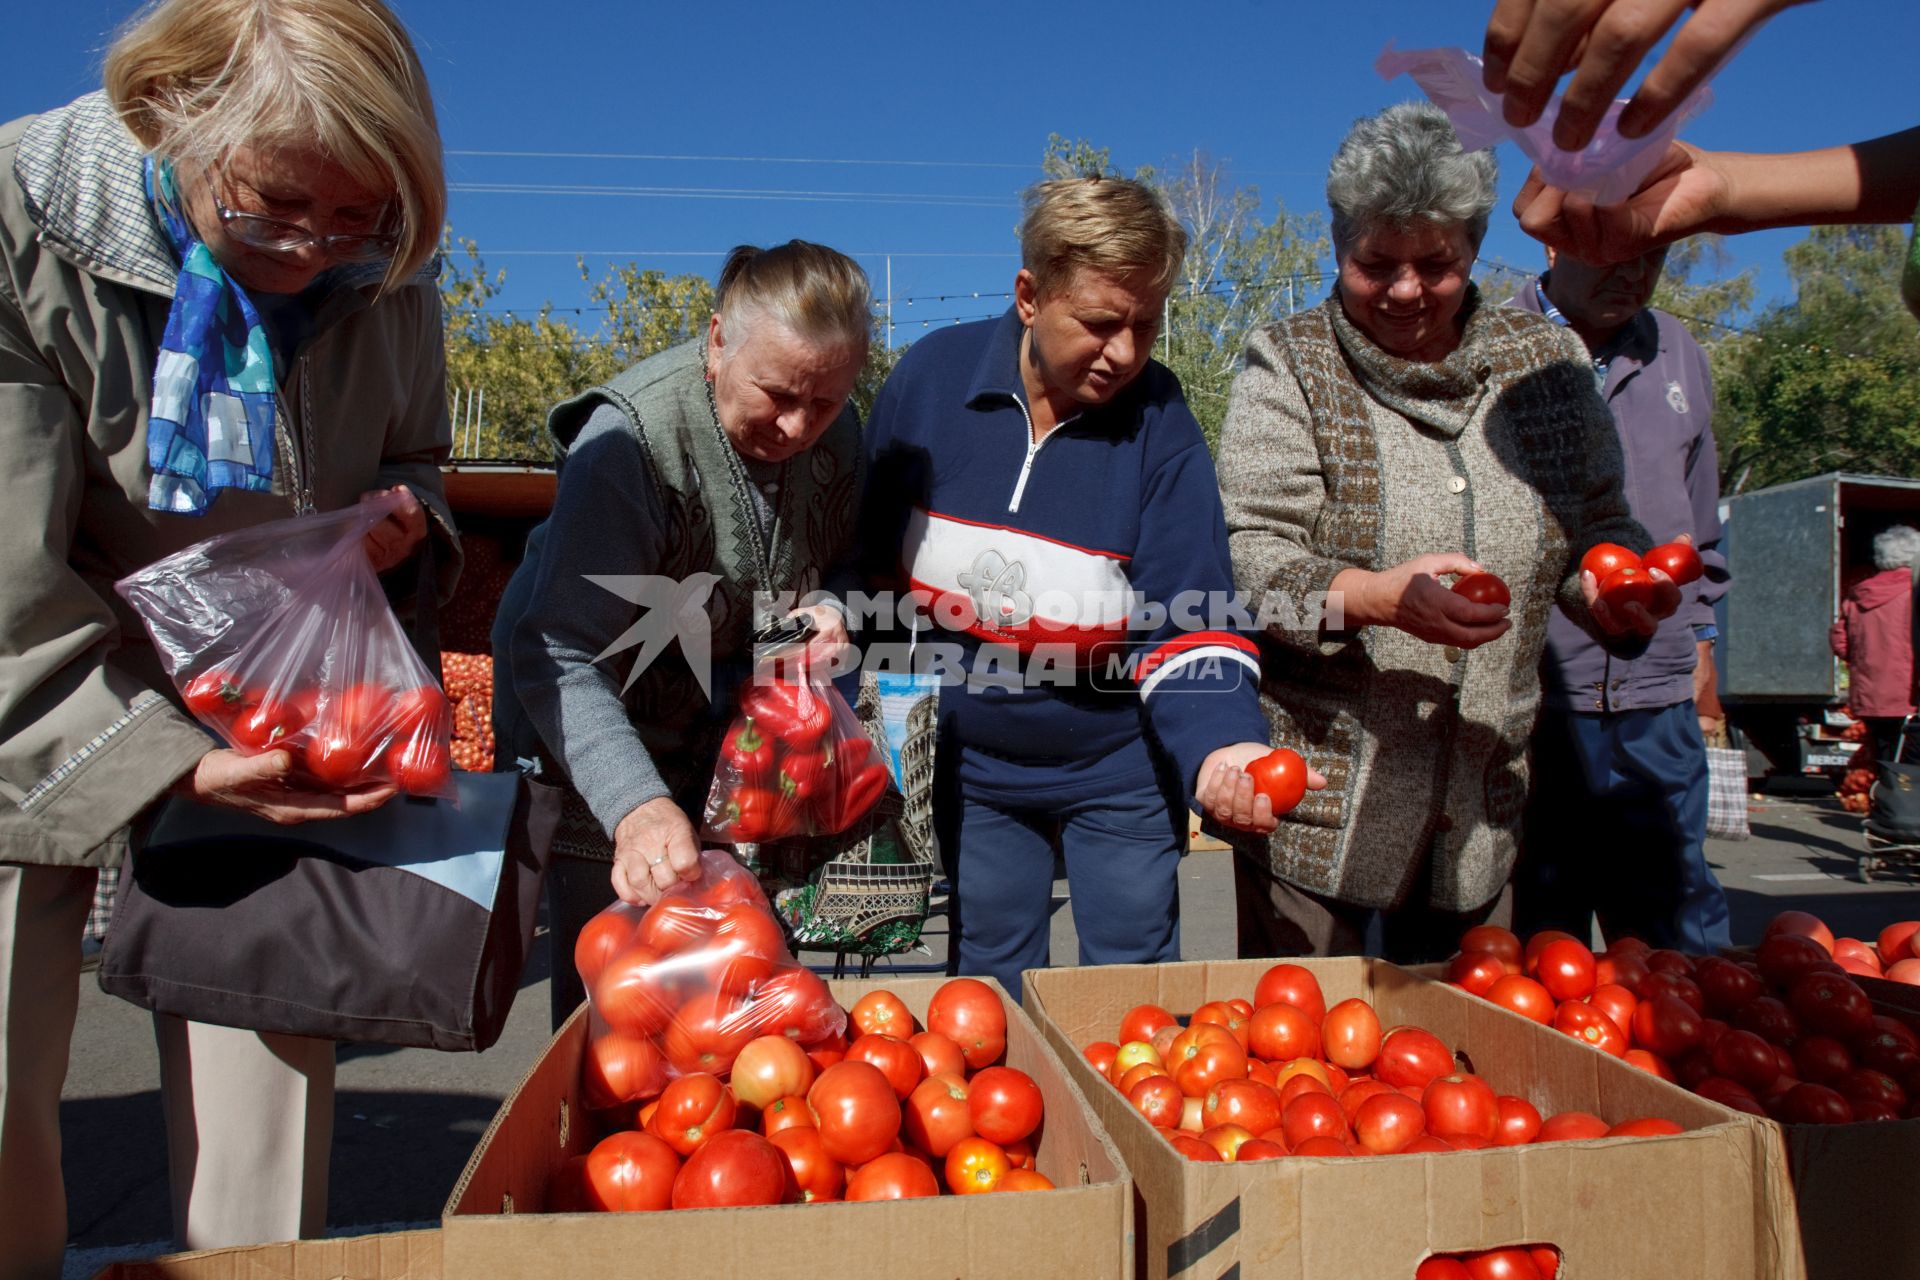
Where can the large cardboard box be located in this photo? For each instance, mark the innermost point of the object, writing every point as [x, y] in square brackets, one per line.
[495, 1224]
[398, 1255]
[1709, 1204]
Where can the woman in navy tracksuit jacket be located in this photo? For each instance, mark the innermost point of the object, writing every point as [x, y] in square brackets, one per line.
[1036, 480]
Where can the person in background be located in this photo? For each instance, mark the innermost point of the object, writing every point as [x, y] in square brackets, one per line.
[1401, 433]
[1874, 637]
[731, 459]
[1029, 476]
[218, 307]
[1617, 822]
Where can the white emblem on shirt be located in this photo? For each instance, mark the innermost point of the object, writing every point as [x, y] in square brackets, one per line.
[1676, 398]
[996, 588]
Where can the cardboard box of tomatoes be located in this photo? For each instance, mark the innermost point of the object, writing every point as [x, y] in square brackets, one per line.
[1711, 1202]
[497, 1220]
[395, 1255]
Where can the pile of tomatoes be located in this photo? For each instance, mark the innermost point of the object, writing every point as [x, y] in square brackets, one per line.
[469, 681]
[1528, 1262]
[1283, 1074]
[897, 1114]
[1785, 1032]
[362, 735]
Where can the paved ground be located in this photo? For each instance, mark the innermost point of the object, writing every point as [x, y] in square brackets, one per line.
[406, 1120]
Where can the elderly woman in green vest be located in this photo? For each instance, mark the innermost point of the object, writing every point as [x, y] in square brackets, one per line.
[716, 476]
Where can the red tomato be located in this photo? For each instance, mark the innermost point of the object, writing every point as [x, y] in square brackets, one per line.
[769, 1068]
[1359, 1093]
[1606, 558]
[1004, 1103]
[1100, 1055]
[1803, 924]
[975, 1166]
[1502, 1264]
[1280, 776]
[1318, 1147]
[1725, 985]
[1815, 1104]
[1663, 983]
[1028, 1180]
[1565, 969]
[942, 1056]
[1410, 1057]
[968, 1012]
[1845, 947]
[1351, 1035]
[1830, 1004]
[349, 731]
[1441, 1269]
[1896, 942]
[1313, 1115]
[1222, 1014]
[817, 1176]
[1667, 1026]
[1907, 971]
[1483, 588]
[893, 1176]
[1518, 1121]
[745, 949]
[937, 1115]
[1730, 1094]
[1677, 560]
[1199, 1061]
[790, 1112]
[899, 1061]
[706, 1033]
[1590, 1027]
[1571, 1126]
[882, 1013]
[1625, 969]
[1863, 1086]
[1461, 1104]
[675, 924]
[1250, 1104]
[1257, 1149]
[601, 939]
[1387, 1122]
[856, 1110]
[1652, 1064]
[1142, 1021]
[629, 1172]
[1628, 586]
[825, 1052]
[794, 1003]
[1159, 1099]
[1281, 1033]
[734, 1168]
[1768, 1018]
[1616, 1002]
[1291, 984]
[1523, 996]
[265, 723]
[1475, 972]
[619, 1069]
[692, 1110]
[1785, 956]
[1194, 1149]
[1495, 941]
[1821, 1059]
[215, 696]
[1746, 1059]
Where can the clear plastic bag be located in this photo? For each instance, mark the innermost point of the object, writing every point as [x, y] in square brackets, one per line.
[682, 986]
[280, 638]
[794, 763]
[1608, 169]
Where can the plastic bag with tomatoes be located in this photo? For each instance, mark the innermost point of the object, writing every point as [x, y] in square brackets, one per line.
[280, 638]
[681, 987]
[794, 763]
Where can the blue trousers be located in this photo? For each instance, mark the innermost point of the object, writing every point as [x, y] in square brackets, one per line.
[1123, 858]
[1616, 829]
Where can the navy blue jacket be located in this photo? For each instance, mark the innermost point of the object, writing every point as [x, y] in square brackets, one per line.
[1076, 579]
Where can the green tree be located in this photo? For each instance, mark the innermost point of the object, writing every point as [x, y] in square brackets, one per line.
[1831, 380]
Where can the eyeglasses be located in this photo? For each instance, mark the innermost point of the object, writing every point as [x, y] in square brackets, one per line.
[261, 232]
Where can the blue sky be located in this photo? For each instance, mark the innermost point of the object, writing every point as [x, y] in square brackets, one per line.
[969, 92]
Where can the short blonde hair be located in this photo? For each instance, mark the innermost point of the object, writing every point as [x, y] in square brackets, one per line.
[1115, 226]
[192, 79]
[819, 294]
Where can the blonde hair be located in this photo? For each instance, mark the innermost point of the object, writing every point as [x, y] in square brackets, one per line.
[1115, 226]
[819, 294]
[193, 79]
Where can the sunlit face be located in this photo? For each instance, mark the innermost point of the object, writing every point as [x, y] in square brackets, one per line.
[293, 184]
[1089, 338]
[1403, 287]
[775, 392]
[1604, 298]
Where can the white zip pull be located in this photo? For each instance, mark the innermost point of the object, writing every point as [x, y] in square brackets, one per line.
[1026, 469]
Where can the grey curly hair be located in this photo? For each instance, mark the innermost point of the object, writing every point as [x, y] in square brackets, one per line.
[1404, 166]
[1897, 547]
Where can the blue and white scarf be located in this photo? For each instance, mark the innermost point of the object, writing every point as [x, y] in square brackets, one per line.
[211, 426]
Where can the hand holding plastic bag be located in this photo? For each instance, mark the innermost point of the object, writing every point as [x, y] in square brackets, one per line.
[1607, 170]
[682, 986]
[279, 637]
[794, 763]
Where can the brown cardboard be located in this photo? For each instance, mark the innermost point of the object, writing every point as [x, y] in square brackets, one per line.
[398, 1255]
[495, 1224]
[1709, 1204]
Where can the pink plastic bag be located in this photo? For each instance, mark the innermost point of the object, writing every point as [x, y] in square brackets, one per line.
[1608, 169]
[280, 638]
[684, 985]
[794, 763]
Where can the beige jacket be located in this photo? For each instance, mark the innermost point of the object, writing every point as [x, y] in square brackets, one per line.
[88, 734]
[1334, 454]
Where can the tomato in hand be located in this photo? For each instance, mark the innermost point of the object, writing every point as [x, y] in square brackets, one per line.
[1604, 559]
[266, 723]
[1677, 560]
[421, 765]
[630, 1172]
[968, 1012]
[1483, 588]
[1291, 984]
[731, 1169]
[856, 1110]
[1280, 776]
[215, 696]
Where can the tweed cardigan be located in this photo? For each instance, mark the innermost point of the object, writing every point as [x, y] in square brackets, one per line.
[1335, 454]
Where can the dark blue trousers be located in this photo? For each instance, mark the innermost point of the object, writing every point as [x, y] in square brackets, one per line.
[1123, 859]
[1616, 829]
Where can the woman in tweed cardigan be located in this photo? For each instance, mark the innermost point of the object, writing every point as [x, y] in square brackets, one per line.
[1399, 434]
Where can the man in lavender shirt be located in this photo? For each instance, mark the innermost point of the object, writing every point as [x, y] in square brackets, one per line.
[1616, 825]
